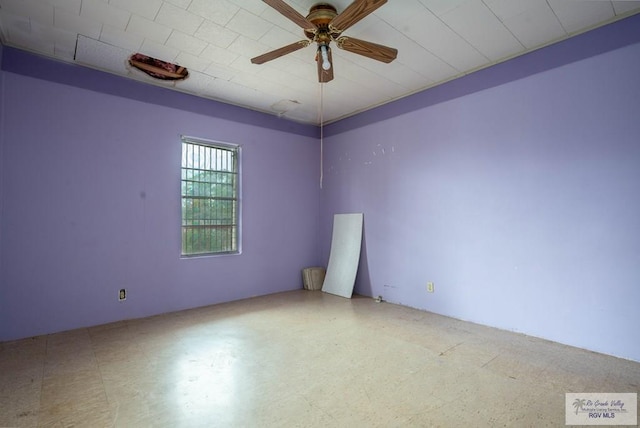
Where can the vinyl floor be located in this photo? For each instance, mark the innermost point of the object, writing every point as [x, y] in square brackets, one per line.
[298, 359]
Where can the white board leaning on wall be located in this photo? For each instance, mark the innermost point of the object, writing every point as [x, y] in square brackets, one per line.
[345, 255]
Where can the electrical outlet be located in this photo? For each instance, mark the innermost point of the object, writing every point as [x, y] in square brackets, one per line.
[122, 295]
[430, 287]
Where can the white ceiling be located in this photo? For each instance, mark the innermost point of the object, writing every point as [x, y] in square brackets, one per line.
[437, 40]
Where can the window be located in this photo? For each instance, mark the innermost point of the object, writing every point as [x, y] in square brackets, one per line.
[210, 197]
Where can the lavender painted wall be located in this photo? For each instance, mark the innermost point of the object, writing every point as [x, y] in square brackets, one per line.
[1, 165]
[91, 205]
[521, 201]
[514, 189]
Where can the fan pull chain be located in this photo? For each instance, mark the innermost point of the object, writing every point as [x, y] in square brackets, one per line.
[321, 133]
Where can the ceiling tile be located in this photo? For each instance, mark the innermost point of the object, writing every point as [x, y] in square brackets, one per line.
[357, 94]
[286, 107]
[372, 27]
[179, 19]
[140, 75]
[148, 29]
[410, 54]
[146, 8]
[33, 43]
[65, 45]
[621, 7]
[505, 9]
[55, 34]
[186, 43]
[100, 11]
[275, 17]
[248, 25]
[76, 23]
[444, 43]
[424, 62]
[196, 83]
[230, 92]
[219, 11]
[481, 29]
[421, 26]
[247, 47]
[277, 37]
[218, 55]
[192, 62]
[294, 85]
[34, 9]
[304, 69]
[440, 7]
[12, 24]
[397, 17]
[536, 26]
[180, 3]
[101, 55]
[578, 15]
[25, 34]
[219, 72]
[71, 6]
[241, 63]
[216, 34]
[124, 39]
[159, 51]
[378, 84]
[304, 114]
[255, 7]
[402, 75]
[267, 92]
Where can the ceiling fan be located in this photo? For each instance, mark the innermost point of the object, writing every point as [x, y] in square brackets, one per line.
[324, 24]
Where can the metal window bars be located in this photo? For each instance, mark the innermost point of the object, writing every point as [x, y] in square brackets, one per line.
[210, 200]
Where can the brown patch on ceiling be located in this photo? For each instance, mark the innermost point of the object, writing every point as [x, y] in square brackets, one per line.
[157, 68]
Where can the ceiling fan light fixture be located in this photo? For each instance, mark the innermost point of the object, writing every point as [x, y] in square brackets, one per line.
[326, 65]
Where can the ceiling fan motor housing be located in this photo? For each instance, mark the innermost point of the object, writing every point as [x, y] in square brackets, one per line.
[321, 14]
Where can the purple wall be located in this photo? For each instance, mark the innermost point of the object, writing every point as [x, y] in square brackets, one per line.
[91, 204]
[2, 299]
[515, 189]
[520, 201]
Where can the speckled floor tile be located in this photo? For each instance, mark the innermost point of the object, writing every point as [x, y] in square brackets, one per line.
[297, 359]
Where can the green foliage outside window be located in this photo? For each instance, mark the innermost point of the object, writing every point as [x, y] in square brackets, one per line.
[210, 210]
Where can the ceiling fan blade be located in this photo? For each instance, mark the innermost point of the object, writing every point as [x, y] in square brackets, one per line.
[325, 76]
[292, 14]
[368, 49]
[280, 52]
[354, 13]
